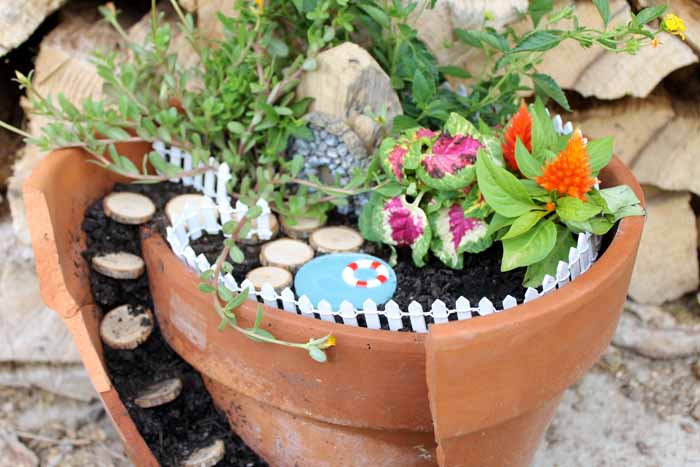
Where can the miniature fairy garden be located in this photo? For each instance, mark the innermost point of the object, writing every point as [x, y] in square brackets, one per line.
[414, 206]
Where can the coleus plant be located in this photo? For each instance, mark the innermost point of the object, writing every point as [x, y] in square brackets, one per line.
[431, 202]
[459, 190]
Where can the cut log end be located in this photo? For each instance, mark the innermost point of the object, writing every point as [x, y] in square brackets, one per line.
[126, 327]
[159, 393]
[129, 208]
[286, 253]
[207, 456]
[337, 239]
[277, 277]
[121, 265]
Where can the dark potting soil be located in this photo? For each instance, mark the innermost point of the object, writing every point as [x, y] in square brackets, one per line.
[174, 430]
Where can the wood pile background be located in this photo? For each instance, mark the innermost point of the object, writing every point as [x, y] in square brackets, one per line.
[650, 102]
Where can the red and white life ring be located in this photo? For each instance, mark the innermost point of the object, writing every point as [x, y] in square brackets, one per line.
[350, 278]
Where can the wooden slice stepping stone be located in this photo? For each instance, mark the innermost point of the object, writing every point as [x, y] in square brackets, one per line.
[336, 239]
[207, 456]
[121, 265]
[303, 228]
[286, 253]
[177, 205]
[254, 239]
[129, 208]
[278, 278]
[159, 393]
[126, 327]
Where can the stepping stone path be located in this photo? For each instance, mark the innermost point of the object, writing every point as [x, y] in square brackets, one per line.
[336, 239]
[353, 277]
[207, 456]
[278, 278]
[126, 327]
[159, 393]
[129, 208]
[120, 265]
[286, 253]
[303, 228]
[176, 206]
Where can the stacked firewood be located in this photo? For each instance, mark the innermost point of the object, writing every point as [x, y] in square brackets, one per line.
[650, 103]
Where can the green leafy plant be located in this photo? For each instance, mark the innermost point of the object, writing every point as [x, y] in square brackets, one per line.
[546, 191]
[511, 58]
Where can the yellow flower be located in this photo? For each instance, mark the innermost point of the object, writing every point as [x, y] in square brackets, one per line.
[261, 5]
[674, 25]
[330, 342]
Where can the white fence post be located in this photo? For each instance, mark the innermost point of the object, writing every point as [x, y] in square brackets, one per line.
[393, 315]
[347, 313]
[439, 310]
[464, 308]
[415, 313]
[369, 308]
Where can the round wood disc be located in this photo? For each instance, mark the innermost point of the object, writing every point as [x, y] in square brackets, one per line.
[177, 205]
[159, 393]
[126, 327]
[286, 253]
[303, 227]
[337, 239]
[129, 208]
[254, 239]
[121, 265]
[207, 456]
[278, 278]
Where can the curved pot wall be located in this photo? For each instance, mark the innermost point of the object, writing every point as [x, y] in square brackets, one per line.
[484, 389]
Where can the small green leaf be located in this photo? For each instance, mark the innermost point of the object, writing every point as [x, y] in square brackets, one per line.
[390, 190]
[206, 288]
[262, 333]
[224, 293]
[538, 41]
[238, 300]
[538, 9]
[573, 209]
[603, 7]
[528, 165]
[619, 197]
[236, 255]
[457, 72]
[529, 248]
[524, 223]
[535, 272]
[236, 128]
[377, 14]
[258, 317]
[545, 86]
[318, 354]
[422, 89]
[650, 14]
[499, 222]
[599, 152]
[502, 190]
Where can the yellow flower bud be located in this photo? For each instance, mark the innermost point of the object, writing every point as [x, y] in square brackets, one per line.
[674, 25]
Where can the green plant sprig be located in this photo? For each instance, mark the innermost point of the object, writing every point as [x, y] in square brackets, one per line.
[226, 302]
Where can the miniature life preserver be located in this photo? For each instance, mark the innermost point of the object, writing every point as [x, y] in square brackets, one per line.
[350, 278]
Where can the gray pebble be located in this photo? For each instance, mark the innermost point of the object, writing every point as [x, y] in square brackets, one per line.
[342, 150]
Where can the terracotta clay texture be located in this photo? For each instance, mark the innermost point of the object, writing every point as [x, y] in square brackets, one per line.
[471, 393]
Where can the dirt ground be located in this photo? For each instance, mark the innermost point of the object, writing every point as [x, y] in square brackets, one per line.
[629, 410]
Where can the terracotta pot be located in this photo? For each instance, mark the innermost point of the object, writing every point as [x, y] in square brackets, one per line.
[469, 393]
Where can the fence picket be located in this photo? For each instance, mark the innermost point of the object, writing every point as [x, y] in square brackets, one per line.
[415, 313]
[175, 159]
[369, 308]
[210, 180]
[509, 302]
[439, 310]
[187, 166]
[267, 292]
[305, 307]
[574, 263]
[230, 283]
[326, 311]
[485, 307]
[562, 274]
[347, 313]
[549, 284]
[393, 315]
[531, 294]
[288, 300]
[464, 308]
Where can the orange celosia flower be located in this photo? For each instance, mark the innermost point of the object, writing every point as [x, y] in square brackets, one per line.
[520, 127]
[570, 172]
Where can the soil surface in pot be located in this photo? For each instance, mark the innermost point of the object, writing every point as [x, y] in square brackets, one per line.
[174, 430]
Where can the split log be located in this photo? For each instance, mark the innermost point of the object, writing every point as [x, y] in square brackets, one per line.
[18, 20]
[632, 122]
[667, 265]
[62, 65]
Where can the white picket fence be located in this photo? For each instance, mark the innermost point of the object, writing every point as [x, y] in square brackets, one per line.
[376, 316]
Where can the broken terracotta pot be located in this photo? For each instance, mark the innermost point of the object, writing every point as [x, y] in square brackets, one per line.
[479, 392]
